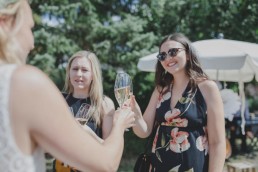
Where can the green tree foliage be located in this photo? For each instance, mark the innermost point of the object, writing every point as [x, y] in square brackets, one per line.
[122, 31]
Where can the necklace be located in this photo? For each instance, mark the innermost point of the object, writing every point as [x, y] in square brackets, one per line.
[183, 100]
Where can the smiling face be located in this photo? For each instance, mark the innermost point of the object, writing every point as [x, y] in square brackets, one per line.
[176, 63]
[81, 76]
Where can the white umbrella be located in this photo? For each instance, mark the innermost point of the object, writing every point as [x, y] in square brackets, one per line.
[222, 60]
[228, 60]
[148, 63]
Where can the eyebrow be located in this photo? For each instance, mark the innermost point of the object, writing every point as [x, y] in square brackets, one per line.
[76, 66]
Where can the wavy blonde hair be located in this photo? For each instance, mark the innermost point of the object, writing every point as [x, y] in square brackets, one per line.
[9, 47]
[96, 88]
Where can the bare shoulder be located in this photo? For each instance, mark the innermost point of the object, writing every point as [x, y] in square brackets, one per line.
[30, 77]
[161, 90]
[30, 83]
[158, 90]
[107, 101]
[207, 85]
[108, 106]
[209, 89]
[32, 90]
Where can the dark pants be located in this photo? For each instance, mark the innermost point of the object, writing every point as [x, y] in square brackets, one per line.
[235, 132]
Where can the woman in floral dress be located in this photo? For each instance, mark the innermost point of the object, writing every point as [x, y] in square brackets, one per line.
[187, 111]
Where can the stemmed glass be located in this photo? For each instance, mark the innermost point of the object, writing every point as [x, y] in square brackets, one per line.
[123, 88]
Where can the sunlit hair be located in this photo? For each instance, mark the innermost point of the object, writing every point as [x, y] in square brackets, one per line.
[96, 89]
[9, 46]
[193, 68]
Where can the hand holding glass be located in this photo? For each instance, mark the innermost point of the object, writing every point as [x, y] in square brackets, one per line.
[122, 88]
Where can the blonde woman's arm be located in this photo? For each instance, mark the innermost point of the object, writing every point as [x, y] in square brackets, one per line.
[91, 132]
[40, 117]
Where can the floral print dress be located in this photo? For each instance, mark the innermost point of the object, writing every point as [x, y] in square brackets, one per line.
[180, 143]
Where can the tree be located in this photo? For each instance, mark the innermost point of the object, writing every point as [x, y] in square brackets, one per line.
[122, 31]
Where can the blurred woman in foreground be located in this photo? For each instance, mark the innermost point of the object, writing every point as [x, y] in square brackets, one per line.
[34, 117]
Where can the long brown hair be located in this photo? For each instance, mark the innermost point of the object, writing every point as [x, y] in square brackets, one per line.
[193, 68]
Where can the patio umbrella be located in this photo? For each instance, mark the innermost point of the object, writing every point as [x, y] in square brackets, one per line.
[228, 60]
[222, 60]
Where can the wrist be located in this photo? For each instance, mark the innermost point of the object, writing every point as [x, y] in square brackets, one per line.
[138, 116]
[118, 128]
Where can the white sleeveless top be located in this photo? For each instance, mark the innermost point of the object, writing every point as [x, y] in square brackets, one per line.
[11, 157]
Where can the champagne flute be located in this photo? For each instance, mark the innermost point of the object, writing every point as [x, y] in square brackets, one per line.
[82, 114]
[122, 88]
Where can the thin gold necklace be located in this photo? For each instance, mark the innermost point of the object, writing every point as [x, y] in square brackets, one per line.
[188, 99]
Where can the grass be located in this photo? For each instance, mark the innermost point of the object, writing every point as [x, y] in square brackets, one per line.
[127, 164]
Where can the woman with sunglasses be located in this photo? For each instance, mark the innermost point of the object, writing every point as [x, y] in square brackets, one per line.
[34, 117]
[186, 112]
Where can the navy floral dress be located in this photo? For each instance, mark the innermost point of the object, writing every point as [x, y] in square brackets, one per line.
[180, 143]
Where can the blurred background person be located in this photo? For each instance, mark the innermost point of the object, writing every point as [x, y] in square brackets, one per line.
[234, 127]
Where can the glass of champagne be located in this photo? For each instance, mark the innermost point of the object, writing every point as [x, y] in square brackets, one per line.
[122, 88]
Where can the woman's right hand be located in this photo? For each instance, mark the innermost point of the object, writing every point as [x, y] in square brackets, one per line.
[124, 118]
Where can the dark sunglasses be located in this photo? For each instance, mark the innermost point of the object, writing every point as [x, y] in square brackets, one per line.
[172, 52]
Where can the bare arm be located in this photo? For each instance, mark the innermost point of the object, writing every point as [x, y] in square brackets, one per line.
[91, 132]
[144, 124]
[215, 125]
[108, 109]
[44, 120]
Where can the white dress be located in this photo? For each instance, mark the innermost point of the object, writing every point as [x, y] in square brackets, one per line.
[11, 157]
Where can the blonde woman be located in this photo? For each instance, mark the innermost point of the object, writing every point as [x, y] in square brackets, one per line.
[34, 117]
[83, 84]
[83, 92]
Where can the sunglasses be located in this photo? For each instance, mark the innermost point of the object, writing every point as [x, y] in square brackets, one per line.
[172, 52]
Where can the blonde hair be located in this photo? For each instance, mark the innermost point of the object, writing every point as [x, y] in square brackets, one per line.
[9, 47]
[96, 88]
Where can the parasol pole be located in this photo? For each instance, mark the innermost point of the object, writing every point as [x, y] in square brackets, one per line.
[242, 95]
